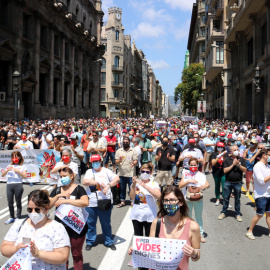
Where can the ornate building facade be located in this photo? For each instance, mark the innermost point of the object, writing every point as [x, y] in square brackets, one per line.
[55, 47]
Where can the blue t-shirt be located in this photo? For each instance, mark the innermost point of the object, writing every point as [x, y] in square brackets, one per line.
[250, 165]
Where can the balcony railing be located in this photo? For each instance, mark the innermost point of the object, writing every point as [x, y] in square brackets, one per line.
[117, 68]
[117, 84]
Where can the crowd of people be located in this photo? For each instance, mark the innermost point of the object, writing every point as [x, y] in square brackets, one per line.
[160, 164]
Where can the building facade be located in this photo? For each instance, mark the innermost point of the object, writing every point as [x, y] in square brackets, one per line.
[248, 37]
[54, 46]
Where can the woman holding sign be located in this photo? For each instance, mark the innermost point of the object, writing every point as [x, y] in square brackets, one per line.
[48, 239]
[71, 194]
[15, 173]
[193, 183]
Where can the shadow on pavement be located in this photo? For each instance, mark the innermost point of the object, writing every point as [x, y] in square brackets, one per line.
[100, 240]
[259, 231]
[86, 266]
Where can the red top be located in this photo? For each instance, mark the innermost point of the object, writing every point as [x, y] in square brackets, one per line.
[111, 148]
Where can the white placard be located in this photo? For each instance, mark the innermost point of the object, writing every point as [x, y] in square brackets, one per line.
[157, 253]
[72, 216]
[194, 127]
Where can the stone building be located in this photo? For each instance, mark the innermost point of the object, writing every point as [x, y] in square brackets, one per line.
[153, 92]
[54, 45]
[248, 37]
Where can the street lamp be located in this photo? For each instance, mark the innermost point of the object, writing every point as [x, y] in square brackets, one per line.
[15, 78]
[256, 79]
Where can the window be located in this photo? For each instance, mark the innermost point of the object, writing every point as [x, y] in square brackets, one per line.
[26, 25]
[68, 5]
[203, 3]
[264, 37]
[43, 36]
[116, 93]
[116, 61]
[216, 25]
[250, 52]
[220, 52]
[66, 51]
[116, 35]
[77, 12]
[203, 19]
[103, 78]
[203, 47]
[203, 32]
[76, 57]
[4, 12]
[56, 45]
[84, 19]
[103, 64]
[103, 93]
[116, 78]
[203, 61]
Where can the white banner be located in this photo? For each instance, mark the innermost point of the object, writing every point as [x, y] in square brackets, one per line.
[39, 164]
[21, 260]
[157, 253]
[72, 216]
[194, 127]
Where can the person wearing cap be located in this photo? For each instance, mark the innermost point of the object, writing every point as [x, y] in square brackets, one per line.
[96, 146]
[233, 167]
[217, 159]
[146, 147]
[210, 144]
[248, 154]
[126, 158]
[110, 153]
[99, 181]
[261, 174]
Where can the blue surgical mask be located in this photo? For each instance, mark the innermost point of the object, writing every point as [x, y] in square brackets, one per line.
[268, 160]
[143, 135]
[232, 143]
[160, 133]
[65, 181]
[171, 209]
[238, 143]
[130, 137]
[174, 141]
[95, 165]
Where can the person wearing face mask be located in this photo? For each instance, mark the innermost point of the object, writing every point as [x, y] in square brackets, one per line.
[155, 144]
[24, 143]
[65, 163]
[11, 140]
[71, 194]
[240, 146]
[177, 149]
[210, 144]
[144, 194]
[15, 173]
[50, 243]
[110, 154]
[96, 146]
[146, 148]
[46, 139]
[194, 178]
[233, 167]
[126, 158]
[175, 224]
[261, 174]
[99, 182]
[217, 158]
[86, 138]
[120, 140]
[248, 154]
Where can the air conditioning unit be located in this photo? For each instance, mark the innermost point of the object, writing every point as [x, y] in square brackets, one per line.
[2, 96]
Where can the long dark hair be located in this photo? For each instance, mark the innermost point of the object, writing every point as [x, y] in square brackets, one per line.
[178, 193]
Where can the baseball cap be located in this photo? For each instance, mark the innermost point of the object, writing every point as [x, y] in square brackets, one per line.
[229, 136]
[191, 140]
[231, 140]
[154, 134]
[222, 134]
[220, 144]
[95, 158]
[124, 130]
[254, 141]
[74, 137]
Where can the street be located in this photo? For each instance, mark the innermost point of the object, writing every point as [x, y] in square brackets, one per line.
[226, 246]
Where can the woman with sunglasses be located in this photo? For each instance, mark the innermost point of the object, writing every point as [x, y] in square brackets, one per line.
[49, 240]
[71, 194]
[15, 173]
[193, 177]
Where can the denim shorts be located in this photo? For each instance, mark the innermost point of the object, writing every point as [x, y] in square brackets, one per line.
[263, 205]
[108, 155]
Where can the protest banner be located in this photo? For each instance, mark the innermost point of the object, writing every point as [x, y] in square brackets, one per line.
[194, 127]
[21, 260]
[157, 253]
[161, 124]
[38, 163]
[72, 216]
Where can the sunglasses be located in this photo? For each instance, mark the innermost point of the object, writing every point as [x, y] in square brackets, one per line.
[37, 210]
[63, 170]
[94, 135]
[148, 172]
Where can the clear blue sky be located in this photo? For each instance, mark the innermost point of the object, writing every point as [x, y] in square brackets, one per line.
[160, 28]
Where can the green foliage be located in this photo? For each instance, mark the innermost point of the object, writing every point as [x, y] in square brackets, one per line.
[189, 90]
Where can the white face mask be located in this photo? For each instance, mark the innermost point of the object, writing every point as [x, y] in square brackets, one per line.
[236, 153]
[220, 149]
[36, 217]
[145, 176]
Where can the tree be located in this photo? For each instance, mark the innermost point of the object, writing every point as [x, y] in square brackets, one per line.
[189, 90]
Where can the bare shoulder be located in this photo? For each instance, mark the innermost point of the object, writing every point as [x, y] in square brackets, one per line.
[194, 226]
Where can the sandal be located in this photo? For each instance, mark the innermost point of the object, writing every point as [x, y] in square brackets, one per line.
[120, 205]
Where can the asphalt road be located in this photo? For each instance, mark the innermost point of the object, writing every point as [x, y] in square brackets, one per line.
[226, 245]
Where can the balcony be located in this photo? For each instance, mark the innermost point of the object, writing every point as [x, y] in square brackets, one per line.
[117, 68]
[117, 84]
[213, 66]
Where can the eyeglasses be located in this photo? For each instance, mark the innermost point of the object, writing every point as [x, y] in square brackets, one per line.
[148, 172]
[63, 170]
[37, 210]
[171, 201]
[94, 135]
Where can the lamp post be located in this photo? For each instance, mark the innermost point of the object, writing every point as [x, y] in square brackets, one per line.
[15, 78]
[256, 79]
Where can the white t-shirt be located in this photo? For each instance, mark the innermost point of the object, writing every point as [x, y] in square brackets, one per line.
[47, 238]
[24, 144]
[105, 176]
[44, 144]
[261, 189]
[139, 151]
[155, 146]
[13, 177]
[96, 145]
[147, 209]
[72, 165]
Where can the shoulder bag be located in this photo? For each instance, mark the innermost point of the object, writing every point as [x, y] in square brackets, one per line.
[194, 193]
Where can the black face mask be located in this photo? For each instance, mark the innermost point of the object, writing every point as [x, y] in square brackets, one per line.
[164, 143]
[126, 145]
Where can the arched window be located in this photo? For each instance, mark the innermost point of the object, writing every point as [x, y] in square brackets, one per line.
[116, 61]
[116, 35]
[103, 63]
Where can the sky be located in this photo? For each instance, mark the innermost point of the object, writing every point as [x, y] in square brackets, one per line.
[160, 28]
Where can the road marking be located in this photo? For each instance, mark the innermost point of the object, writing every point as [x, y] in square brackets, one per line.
[113, 260]
[24, 202]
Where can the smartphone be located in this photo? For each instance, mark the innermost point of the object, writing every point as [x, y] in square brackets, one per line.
[26, 240]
